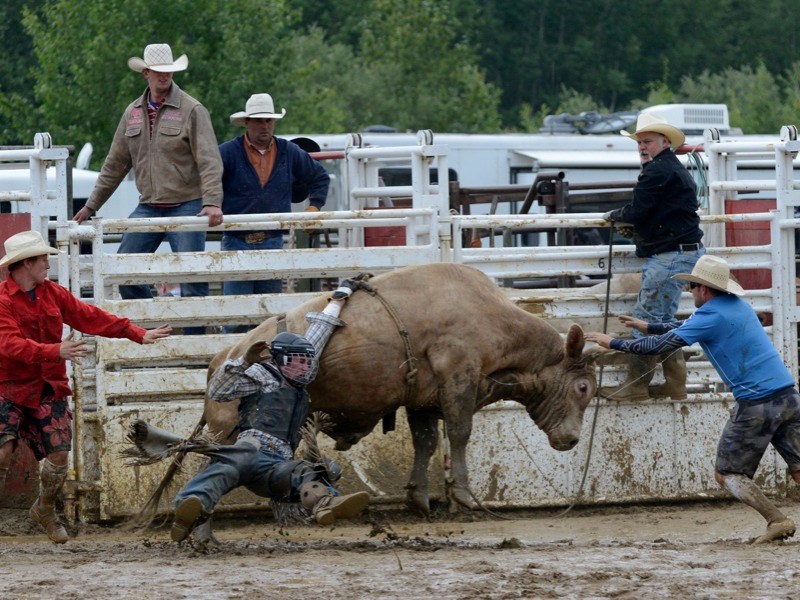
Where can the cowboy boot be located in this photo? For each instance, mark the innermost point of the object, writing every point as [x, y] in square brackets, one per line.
[674, 386]
[188, 514]
[43, 510]
[640, 373]
[326, 508]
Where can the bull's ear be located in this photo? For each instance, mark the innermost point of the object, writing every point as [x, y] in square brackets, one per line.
[575, 341]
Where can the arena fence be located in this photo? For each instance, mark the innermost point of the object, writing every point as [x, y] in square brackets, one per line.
[646, 451]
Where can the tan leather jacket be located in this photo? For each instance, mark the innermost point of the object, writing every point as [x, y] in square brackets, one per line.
[180, 162]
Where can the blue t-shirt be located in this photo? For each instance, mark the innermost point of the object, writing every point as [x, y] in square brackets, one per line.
[730, 334]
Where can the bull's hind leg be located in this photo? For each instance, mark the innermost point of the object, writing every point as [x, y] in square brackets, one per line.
[424, 434]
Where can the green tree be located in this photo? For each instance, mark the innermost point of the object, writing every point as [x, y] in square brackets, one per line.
[423, 74]
[83, 82]
[754, 97]
[410, 70]
[16, 70]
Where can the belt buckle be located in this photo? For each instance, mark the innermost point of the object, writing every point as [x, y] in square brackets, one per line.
[255, 238]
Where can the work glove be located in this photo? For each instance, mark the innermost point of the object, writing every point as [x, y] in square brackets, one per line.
[345, 289]
[625, 231]
[607, 216]
[311, 208]
[254, 353]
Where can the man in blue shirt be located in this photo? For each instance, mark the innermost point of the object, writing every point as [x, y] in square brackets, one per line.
[767, 402]
[259, 174]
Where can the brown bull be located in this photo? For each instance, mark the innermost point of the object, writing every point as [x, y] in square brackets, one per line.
[468, 346]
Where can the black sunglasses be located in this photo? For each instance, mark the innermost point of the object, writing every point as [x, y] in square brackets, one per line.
[693, 285]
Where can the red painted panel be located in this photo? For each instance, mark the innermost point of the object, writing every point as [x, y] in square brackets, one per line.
[385, 236]
[22, 482]
[749, 234]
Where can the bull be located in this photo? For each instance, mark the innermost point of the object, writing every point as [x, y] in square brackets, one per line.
[442, 341]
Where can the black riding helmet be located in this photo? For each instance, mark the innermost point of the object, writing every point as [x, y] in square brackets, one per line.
[290, 343]
[287, 346]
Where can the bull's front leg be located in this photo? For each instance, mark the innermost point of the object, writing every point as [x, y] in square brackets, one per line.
[459, 428]
[458, 399]
[424, 434]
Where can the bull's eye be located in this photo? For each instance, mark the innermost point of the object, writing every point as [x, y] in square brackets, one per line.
[583, 388]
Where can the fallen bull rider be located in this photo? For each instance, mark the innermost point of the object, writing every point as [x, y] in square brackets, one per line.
[273, 408]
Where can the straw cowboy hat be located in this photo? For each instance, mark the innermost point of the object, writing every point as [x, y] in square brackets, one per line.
[259, 106]
[652, 122]
[158, 57]
[25, 245]
[714, 272]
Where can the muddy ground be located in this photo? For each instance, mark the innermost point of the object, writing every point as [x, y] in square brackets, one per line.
[687, 551]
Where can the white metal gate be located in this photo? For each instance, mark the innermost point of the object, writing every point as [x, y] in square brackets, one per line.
[658, 449]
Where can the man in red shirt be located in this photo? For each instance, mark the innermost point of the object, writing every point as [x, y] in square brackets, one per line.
[33, 372]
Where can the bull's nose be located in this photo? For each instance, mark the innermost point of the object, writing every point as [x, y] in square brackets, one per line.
[564, 445]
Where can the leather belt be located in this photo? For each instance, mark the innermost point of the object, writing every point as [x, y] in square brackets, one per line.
[256, 237]
[690, 247]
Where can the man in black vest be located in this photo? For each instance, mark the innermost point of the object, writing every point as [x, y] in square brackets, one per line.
[273, 406]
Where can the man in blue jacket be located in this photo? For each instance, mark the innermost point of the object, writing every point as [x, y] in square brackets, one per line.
[259, 173]
[667, 234]
[767, 407]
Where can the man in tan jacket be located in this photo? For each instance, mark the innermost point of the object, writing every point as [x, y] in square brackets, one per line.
[166, 137]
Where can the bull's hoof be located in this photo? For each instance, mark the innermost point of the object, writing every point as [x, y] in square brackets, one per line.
[418, 502]
[463, 497]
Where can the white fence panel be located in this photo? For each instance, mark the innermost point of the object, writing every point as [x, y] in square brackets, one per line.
[645, 451]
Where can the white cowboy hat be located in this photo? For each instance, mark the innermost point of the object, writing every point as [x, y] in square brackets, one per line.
[25, 245]
[158, 57]
[259, 106]
[653, 122]
[714, 272]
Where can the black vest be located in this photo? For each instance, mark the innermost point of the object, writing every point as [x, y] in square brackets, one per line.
[280, 413]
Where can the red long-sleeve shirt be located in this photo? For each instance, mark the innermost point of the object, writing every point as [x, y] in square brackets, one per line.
[30, 338]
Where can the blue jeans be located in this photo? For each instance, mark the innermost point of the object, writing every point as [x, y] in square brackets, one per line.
[263, 286]
[148, 243]
[660, 294]
[242, 464]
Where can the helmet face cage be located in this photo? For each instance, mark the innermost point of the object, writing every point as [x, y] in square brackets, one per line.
[295, 356]
[299, 367]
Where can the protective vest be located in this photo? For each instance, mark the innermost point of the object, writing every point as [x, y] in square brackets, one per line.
[281, 412]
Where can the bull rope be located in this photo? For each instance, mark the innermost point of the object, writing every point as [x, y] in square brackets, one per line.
[579, 495]
[405, 335]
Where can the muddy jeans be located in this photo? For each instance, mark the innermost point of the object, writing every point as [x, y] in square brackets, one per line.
[660, 295]
[246, 463]
[243, 463]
